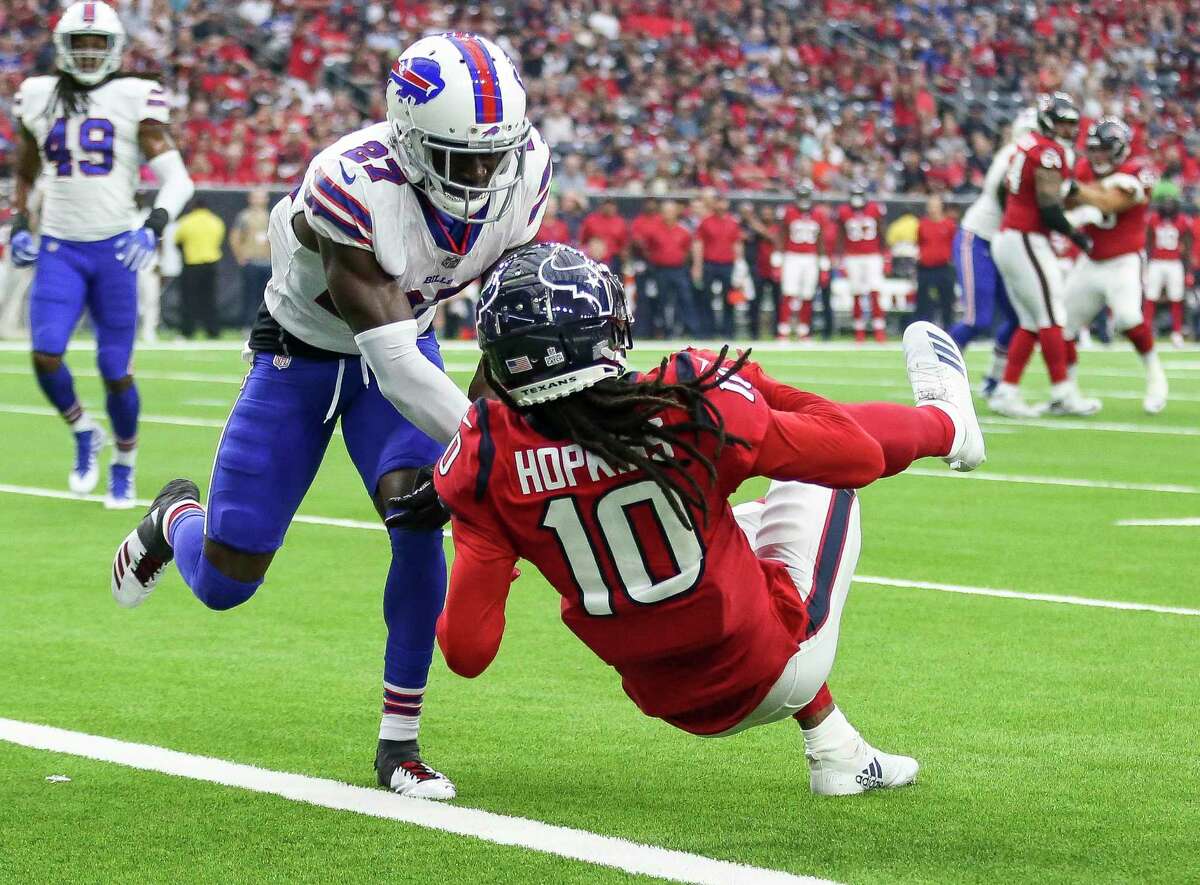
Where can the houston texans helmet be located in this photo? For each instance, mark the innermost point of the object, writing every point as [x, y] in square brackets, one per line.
[552, 322]
[1058, 117]
[1109, 142]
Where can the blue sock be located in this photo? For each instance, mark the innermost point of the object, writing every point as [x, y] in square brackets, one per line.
[962, 334]
[210, 586]
[412, 600]
[59, 388]
[123, 410]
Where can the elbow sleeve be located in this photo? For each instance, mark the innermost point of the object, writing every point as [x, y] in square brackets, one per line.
[1056, 219]
[175, 185]
[419, 390]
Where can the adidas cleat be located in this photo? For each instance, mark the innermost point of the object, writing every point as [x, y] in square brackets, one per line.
[938, 376]
[1072, 404]
[121, 491]
[1006, 400]
[145, 552]
[399, 767]
[861, 770]
[86, 471]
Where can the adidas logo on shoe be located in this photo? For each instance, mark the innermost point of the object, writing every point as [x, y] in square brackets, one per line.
[870, 777]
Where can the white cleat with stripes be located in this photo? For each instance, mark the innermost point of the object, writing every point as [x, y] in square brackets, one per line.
[938, 375]
[861, 769]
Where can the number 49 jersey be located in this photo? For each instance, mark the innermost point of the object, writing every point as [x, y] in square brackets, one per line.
[685, 614]
[90, 161]
[355, 194]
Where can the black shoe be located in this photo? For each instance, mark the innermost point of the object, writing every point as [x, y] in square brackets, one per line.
[145, 552]
[399, 768]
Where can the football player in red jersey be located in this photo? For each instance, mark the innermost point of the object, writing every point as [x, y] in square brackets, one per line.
[615, 485]
[803, 247]
[860, 243]
[1114, 188]
[1169, 239]
[1033, 208]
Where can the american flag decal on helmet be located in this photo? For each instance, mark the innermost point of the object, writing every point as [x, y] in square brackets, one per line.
[489, 103]
[519, 364]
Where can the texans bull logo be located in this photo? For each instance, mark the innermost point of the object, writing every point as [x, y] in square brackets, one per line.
[418, 80]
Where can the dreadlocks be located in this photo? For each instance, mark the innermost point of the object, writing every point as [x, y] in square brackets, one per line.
[614, 419]
[70, 97]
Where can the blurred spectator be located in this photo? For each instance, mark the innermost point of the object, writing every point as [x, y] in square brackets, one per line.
[606, 226]
[554, 229]
[252, 251]
[762, 228]
[200, 234]
[717, 246]
[935, 236]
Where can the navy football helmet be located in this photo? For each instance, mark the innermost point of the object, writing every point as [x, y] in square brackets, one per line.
[552, 322]
[804, 195]
[858, 195]
[1109, 142]
[1058, 117]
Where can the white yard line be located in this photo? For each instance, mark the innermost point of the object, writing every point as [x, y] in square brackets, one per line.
[894, 582]
[818, 381]
[1033, 597]
[501, 829]
[1054, 481]
[1186, 521]
[1090, 425]
[177, 420]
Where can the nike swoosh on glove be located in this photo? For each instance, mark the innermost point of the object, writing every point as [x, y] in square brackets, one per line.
[135, 249]
[24, 249]
[421, 510]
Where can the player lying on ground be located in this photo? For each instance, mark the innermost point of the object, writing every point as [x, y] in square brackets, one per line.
[615, 485]
[388, 221]
[83, 134]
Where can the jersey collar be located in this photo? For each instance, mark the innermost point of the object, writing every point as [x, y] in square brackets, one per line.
[449, 234]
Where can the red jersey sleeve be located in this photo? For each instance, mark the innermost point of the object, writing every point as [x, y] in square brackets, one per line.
[472, 623]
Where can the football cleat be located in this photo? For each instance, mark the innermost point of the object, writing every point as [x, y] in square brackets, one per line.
[987, 386]
[1073, 404]
[938, 376]
[399, 767]
[1006, 400]
[86, 471]
[1156, 389]
[861, 769]
[145, 552]
[121, 491]
[1177, 339]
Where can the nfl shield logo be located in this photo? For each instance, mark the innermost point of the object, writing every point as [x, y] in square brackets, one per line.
[451, 261]
[280, 361]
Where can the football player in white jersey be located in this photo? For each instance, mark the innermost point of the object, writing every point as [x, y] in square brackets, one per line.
[979, 282]
[85, 132]
[387, 222]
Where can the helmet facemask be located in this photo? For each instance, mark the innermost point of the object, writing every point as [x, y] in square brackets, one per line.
[85, 59]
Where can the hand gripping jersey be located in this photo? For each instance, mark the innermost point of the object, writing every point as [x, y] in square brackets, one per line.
[355, 194]
[1166, 235]
[1123, 233]
[863, 229]
[698, 627]
[90, 160]
[982, 217]
[1033, 151]
[802, 228]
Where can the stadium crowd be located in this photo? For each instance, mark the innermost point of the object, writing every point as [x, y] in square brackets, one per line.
[751, 95]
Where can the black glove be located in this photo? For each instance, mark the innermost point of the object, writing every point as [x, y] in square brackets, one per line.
[1082, 240]
[421, 510]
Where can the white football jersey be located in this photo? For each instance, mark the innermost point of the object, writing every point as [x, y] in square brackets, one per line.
[982, 217]
[355, 194]
[90, 161]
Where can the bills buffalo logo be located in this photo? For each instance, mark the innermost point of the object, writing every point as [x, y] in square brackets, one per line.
[495, 130]
[418, 80]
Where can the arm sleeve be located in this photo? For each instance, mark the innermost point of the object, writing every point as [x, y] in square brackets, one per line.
[175, 186]
[154, 104]
[336, 205]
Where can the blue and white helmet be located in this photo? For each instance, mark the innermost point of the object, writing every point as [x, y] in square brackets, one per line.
[552, 322]
[449, 97]
[89, 66]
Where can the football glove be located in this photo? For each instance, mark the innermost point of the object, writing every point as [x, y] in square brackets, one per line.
[135, 249]
[421, 510]
[24, 249]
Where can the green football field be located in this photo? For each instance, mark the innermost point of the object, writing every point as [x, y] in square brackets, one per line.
[1057, 737]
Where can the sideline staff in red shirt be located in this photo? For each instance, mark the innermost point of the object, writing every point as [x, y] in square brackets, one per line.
[717, 246]
[935, 236]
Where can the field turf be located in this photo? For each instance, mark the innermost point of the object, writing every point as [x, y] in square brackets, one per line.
[1058, 741]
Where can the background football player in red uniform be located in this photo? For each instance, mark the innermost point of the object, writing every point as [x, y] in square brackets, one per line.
[860, 243]
[1033, 208]
[803, 247]
[615, 485]
[1115, 187]
[1169, 238]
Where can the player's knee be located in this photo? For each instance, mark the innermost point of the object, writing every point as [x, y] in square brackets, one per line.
[393, 485]
[46, 363]
[118, 385]
[236, 564]
[113, 364]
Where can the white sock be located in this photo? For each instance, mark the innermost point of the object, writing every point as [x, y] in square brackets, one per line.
[1062, 389]
[124, 457]
[82, 424]
[999, 361]
[835, 736]
[1151, 361]
[1005, 389]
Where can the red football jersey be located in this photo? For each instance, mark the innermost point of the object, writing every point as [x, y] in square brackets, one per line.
[1167, 234]
[862, 229]
[1034, 151]
[1123, 233]
[802, 228]
[698, 627]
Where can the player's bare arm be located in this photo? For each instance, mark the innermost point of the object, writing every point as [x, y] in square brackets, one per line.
[28, 165]
[364, 295]
[1109, 199]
